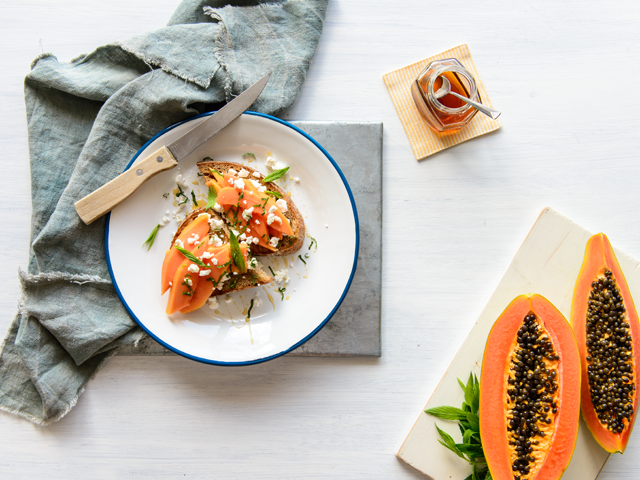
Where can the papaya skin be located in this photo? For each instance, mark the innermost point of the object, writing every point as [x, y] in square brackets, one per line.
[599, 255]
[493, 388]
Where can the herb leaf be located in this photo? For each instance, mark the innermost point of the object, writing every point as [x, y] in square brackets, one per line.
[248, 154]
[193, 199]
[447, 413]
[152, 237]
[275, 175]
[275, 194]
[236, 254]
[212, 199]
[249, 311]
[190, 256]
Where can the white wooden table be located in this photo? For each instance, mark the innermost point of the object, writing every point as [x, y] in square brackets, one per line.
[464, 212]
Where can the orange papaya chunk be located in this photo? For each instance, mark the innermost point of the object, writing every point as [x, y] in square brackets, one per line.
[605, 322]
[173, 258]
[529, 392]
[184, 284]
[210, 281]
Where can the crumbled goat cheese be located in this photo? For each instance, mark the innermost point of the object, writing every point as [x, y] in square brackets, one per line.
[232, 171]
[189, 282]
[262, 189]
[273, 242]
[253, 263]
[164, 220]
[257, 221]
[235, 232]
[206, 255]
[272, 209]
[223, 279]
[179, 243]
[270, 163]
[230, 181]
[242, 237]
[216, 224]
[282, 205]
[239, 184]
[193, 239]
[296, 179]
[282, 276]
[273, 218]
[228, 299]
[257, 301]
[255, 183]
[215, 241]
[193, 268]
[257, 175]
[247, 214]
[218, 208]
[213, 303]
[204, 273]
[181, 181]
[243, 173]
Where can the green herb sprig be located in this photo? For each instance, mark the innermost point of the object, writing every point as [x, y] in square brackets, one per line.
[249, 154]
[152, 238]
[193, 199]
[275, 175]
[212, 199]
[275, 194]
[312, 242]
[282, 290]
[249, 311]
[236, 254]
[469, 423]
[190, 256]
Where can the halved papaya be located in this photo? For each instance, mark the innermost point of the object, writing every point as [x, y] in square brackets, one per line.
[529, 392]
[605, 322]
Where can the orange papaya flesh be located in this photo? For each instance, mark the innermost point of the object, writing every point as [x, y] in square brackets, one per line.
[173, 258]
[207, 283]
[182, 289]
[605, 322]
[283, 226]
[529, 392]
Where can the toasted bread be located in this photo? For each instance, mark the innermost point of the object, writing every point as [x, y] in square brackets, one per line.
[254, 276]
[288, 245]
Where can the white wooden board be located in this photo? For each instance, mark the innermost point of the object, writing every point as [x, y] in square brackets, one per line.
[547, 263]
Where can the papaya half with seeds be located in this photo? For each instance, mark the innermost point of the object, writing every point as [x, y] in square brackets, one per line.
[529, 392]
[605, 322]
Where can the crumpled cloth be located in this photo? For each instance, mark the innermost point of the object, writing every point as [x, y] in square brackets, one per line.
[86, 120]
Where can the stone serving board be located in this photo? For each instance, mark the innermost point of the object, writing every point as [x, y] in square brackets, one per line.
[547, 263]
[355, 327]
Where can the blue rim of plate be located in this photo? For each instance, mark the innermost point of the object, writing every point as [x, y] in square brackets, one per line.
[319, 327]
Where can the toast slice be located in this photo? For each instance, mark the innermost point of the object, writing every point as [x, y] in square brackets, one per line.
[289, 243]
[254, 277]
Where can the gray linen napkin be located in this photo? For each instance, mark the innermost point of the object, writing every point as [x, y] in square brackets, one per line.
[86, 119]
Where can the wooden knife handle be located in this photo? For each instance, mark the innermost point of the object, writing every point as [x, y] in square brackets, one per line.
[104, 199]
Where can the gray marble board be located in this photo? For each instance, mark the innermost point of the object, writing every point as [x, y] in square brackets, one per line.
[355, 327]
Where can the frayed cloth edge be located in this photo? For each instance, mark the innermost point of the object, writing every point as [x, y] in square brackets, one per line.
[27, 278]
[74, 401]
[218, 50]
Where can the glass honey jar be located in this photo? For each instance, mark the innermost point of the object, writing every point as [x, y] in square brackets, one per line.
[448, 113]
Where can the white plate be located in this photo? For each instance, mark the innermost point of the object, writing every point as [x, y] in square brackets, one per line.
[315, 290]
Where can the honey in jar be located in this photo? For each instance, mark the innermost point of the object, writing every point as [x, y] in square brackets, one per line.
[448, 113]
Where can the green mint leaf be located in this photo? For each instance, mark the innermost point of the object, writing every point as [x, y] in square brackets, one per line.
[214, 171]
[476, 395]
[236, 253]
[447, 413]
[212, 199]
[474, 421]
[467, 435]
[152, 237]
[469, 390]
[275, 175]
[249, 311]
[275, 194]
[190, 256]
[248, 154]
[487, 476]
[474, 451]
[470, 477]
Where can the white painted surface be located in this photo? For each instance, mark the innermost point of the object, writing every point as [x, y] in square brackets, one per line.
[464, 212]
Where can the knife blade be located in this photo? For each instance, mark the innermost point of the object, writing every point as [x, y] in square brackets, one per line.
[105, 198]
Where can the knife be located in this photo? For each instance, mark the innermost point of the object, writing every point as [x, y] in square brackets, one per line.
[104, 199]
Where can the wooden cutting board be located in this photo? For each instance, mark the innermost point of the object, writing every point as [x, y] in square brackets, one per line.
[547, 263]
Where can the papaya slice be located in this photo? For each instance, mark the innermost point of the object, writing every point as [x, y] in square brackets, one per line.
[185, 281]
[529, 392]
[206, 285]
[173, 258]
[605, 321]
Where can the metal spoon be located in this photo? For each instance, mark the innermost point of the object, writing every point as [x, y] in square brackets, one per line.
[445, 89]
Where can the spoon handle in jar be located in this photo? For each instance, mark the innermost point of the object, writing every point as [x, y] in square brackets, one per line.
[490, 112]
